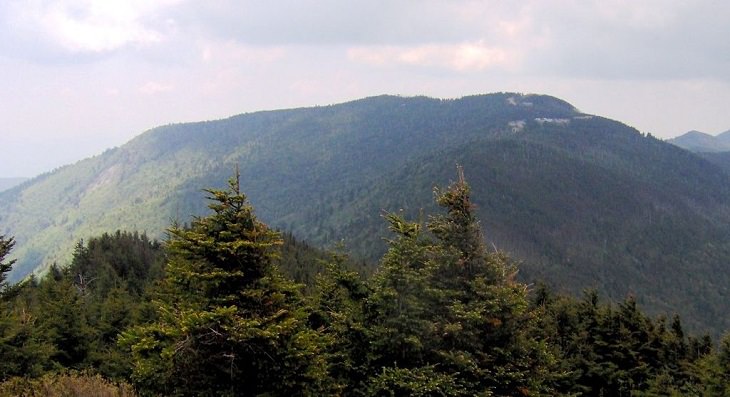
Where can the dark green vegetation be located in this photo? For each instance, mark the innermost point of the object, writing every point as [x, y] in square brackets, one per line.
[211, 313]
[580, 200]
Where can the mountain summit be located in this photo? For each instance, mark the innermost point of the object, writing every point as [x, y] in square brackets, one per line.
[582, 200]
[700, 142]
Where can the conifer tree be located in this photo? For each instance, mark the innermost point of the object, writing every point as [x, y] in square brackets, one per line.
[338, 313]
[448, 316]
[229, 323]
[6, 245]
[714, 370]
[481, 312]
[403, 359]
[21, 351]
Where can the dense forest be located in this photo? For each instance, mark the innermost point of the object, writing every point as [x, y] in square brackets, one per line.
[227, 306]
[578, 200]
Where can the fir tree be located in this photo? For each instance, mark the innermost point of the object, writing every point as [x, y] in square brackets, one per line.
[338, 313]
[6, 245]
[22, 351]
[487, 331]
[229, 323]
[448, 317]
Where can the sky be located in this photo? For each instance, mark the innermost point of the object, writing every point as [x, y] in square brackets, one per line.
[81, 76]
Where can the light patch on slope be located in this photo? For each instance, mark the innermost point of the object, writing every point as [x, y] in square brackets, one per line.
[108, 176]
[547, 120]
[517, 125]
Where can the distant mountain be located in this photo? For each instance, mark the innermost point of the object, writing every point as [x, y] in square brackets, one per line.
[715, 149]
[696, 141]
[7, 183]
[581, 200]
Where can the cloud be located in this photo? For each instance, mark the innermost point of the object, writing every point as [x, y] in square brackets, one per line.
[457, 57]
[93, 26]
[333, 22]
[153, 88]
[618, 40]
[229, 51]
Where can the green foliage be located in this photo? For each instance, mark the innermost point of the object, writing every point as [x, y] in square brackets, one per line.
[421, 381]
[71, 318]
[228, 323]
[579, 200]
[618, 350]
[338, 314]
[446, 317]
[714, 370]
[442, 316]
[6, 245]
[22, 352]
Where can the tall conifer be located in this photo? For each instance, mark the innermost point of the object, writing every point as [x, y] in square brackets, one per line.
[229, 323]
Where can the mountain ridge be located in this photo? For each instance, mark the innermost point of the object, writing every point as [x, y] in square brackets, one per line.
[7, 183]
[697, 141]
[581, 200]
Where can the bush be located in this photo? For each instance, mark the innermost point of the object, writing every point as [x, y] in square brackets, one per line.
[65, 385]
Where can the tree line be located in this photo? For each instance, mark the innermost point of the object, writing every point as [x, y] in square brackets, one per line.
[214, 311]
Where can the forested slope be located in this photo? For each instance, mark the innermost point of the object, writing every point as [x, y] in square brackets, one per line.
[582, 200]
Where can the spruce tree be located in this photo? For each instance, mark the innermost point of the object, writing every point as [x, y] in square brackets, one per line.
[22, 353]
[6, 245]
[229, 323]
[487, 331]
[338, 313]
[448, 317]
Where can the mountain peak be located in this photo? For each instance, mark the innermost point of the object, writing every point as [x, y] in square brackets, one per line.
[700, 142]
[551, 184]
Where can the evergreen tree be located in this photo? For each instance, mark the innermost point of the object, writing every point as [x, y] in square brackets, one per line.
[6, 245]
[22, 350]
[229, 323]
[400, 323]
[714, 370]
[338, 313]
[487, 332]
[447, 316]
[63, 320]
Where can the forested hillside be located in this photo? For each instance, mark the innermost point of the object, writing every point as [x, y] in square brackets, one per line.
[209, 312]
[581, 200]
[715, 149]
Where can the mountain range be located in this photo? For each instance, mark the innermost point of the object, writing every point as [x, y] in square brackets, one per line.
[701, 142]
[713, 148]
[580, 200]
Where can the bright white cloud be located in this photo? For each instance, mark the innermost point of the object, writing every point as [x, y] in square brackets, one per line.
[91, 25]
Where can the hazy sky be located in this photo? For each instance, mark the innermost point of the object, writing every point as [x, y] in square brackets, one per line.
[80, 76]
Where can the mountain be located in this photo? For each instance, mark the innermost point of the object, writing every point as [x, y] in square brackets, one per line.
[696, 141]
[7, 183]
[581, 200]
[715, 149]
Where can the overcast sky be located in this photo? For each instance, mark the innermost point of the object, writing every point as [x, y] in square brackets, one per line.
[80, 76]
